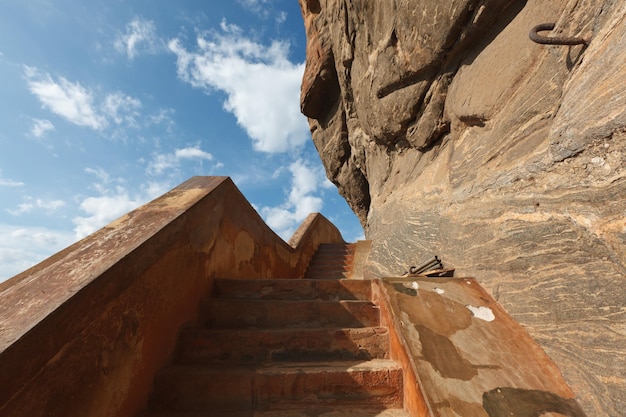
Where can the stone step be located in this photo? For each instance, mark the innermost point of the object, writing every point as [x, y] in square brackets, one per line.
[329, 275]
[308, 412]
[201, 345]
[241, 313]
[293, 289]
[347, 257]
[279, 386]
[334, 247]
[330, 261]
[326, 274]
[328, 270]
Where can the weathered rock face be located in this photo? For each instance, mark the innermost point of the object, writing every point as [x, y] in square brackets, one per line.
[448, 131]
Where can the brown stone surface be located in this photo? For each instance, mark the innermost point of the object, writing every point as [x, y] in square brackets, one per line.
[84, 332]
[471, 358]
[449, 132]
[225, 313]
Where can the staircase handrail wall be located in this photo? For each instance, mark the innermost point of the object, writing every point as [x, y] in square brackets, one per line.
[84, 332]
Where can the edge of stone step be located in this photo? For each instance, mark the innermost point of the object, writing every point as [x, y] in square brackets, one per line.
[280, 386]
[225, 313]
[201, 345]
[308, 412]
[293, 289]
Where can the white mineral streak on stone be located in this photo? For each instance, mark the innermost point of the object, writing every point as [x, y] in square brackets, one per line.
[598, 161]
[438, 290]
[413, 285]
[482, 312]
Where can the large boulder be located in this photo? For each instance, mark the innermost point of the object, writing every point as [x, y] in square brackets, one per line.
[450, 132]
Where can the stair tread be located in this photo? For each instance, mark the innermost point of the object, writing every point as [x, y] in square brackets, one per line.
[253, 313]
[294, 289]
[280, 330]
[373, 365]
[332, 366]
[308, 412]
[204, 345]
[266, 301]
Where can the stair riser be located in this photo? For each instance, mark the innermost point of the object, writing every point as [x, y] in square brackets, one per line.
[206, 346]
[284, 391]
[264, 390]
[197, 391]
[300, 289]
[331, 267]
[221, 313]
[334, 252]
[328, 270]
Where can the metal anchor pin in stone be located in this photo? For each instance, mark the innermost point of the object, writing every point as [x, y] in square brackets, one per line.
[434, 263]
[553, 40]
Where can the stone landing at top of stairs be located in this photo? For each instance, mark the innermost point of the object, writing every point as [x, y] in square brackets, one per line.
[304, 347]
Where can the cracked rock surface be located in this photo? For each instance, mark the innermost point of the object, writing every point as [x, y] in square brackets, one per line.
[449, 132]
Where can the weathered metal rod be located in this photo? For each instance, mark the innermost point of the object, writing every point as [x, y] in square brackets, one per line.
[430, 264]
[552, 40]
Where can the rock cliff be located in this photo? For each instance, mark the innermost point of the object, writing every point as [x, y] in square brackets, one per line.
[450, 132]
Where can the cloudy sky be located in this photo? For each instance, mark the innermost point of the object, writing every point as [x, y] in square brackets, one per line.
[107, 104]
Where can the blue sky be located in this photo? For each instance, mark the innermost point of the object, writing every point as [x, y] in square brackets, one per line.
[107, 104]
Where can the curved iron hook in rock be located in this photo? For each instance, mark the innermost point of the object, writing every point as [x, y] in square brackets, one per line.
[556, 40]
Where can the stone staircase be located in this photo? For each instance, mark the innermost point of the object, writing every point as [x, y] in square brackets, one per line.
[289, 348]
[332, 261]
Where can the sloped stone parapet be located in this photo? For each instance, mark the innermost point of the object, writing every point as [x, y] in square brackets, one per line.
[84, 332]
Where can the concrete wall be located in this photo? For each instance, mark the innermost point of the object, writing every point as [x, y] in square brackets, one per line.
[84, 332]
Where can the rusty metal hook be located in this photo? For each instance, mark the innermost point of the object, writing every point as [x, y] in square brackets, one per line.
[556, 40]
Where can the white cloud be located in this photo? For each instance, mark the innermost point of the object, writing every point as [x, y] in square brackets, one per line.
[190, 153]
[261, 8]
[261, 84]
[69, 100]
[21, 209]
[163, 117]
[6, 182]
[40, 127]
[162, 162]
[100, 173]
[48, 206]
[301, 201]
[121, 108]
[281, 18]
[140, 36]
[23, 247]
[78, 104]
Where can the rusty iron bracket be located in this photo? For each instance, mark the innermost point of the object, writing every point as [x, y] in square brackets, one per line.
[434, 263]
[553, 40]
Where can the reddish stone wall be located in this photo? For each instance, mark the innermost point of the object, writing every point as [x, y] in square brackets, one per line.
[84, 332]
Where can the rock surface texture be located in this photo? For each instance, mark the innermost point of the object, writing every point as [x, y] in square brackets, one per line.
[450, 132]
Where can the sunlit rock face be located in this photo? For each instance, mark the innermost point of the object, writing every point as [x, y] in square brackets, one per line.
[450, 132]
